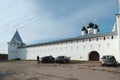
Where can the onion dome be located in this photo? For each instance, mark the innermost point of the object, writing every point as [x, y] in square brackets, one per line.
[95, 26]
[91, 25]
[83, 28]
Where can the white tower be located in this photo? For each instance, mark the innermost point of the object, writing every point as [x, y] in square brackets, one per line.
[13, 45]
[118, 28]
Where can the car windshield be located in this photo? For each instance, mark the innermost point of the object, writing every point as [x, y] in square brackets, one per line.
[108, 57]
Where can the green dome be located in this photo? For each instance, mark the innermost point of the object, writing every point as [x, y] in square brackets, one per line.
[91, 25]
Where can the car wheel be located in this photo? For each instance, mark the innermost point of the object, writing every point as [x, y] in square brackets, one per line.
[115, 65]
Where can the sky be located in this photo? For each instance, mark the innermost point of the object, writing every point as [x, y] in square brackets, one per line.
[48, 20]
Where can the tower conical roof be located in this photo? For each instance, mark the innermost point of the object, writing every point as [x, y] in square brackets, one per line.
[16, 38]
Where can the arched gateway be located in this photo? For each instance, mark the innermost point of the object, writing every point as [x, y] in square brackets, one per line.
[94, 56]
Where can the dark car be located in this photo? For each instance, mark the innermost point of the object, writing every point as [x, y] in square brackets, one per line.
[108, 60]
[62, 59]
[48, 59]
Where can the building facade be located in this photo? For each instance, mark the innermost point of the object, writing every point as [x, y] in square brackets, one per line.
[91, 46]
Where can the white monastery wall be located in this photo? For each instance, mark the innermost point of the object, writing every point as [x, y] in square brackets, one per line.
[77, 49]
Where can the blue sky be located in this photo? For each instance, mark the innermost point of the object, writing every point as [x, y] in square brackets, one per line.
[46, 20]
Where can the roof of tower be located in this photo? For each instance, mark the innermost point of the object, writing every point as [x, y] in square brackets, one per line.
[90, 25]
[16, 38]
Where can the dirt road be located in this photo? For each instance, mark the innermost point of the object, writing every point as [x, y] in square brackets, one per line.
[30, 70]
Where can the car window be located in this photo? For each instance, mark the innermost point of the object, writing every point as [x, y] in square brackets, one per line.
[108, 57]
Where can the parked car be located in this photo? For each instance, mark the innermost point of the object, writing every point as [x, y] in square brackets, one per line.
[62, 59]
[108, 60]
[48, 59]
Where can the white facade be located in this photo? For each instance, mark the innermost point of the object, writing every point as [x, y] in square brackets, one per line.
[79, 48]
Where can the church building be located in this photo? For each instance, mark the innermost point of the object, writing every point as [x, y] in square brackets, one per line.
[90, 46]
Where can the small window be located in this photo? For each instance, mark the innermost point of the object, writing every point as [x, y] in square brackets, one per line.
[104, 38]
[96, 39]
[83, 40]
[89, 39]
[77, 41]
[111, 37]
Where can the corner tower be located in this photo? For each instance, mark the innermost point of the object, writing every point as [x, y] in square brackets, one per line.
[13, 45]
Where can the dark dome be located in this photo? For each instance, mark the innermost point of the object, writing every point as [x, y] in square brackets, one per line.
[91, 25]
[83, 28]
[95, 26]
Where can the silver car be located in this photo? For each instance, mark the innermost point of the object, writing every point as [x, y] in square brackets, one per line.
[108, 60]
